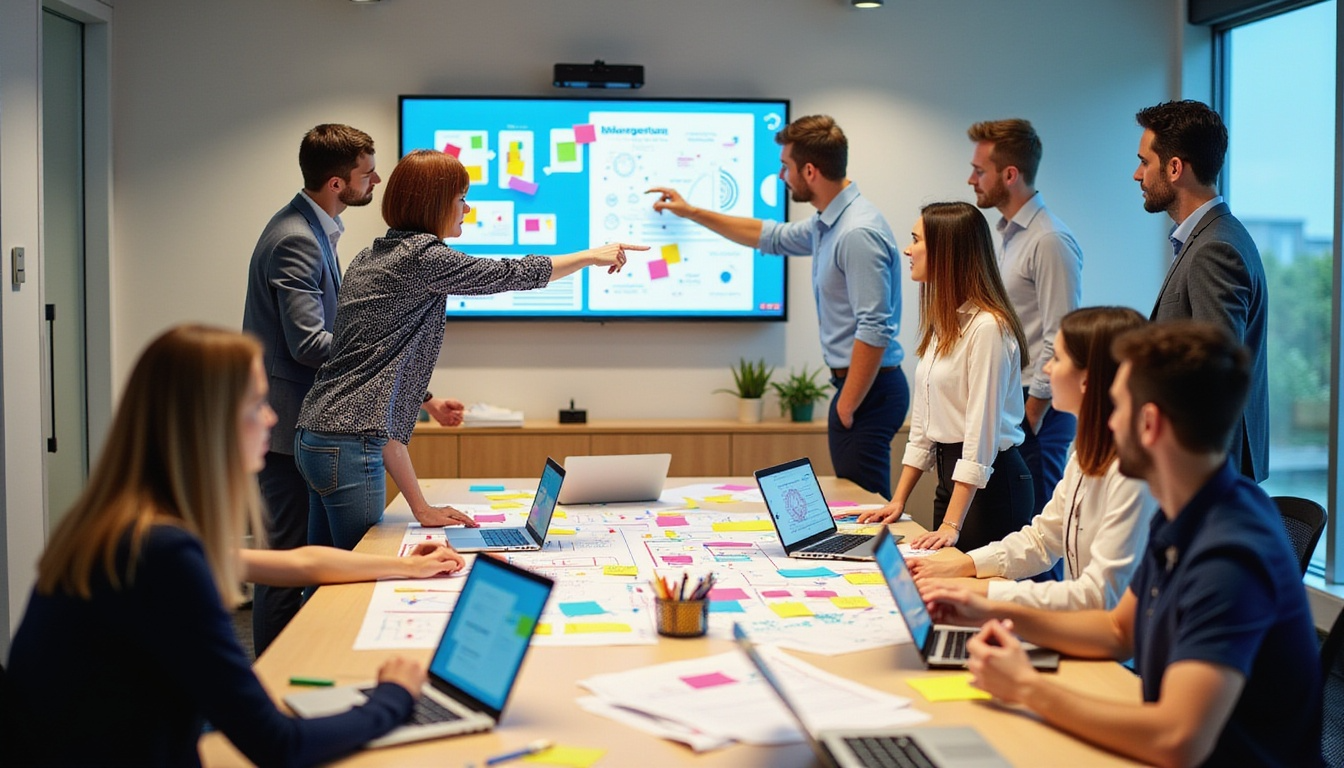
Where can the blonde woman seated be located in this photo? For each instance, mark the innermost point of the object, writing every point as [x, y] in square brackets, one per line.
[1097, 520]
[127, 648]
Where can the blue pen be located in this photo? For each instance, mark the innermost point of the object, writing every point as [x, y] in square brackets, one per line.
[540, 745]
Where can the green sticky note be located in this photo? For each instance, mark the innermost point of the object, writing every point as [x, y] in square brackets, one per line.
[566, 151]
[477, 141]
[525, 626]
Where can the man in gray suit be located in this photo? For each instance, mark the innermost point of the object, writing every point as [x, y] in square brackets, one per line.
[291, 307]
[1217, 274]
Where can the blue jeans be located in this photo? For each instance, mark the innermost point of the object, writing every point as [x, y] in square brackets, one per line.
[862, 453]
[1046, 451]
[346, 486]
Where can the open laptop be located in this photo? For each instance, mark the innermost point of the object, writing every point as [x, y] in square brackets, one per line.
[951, 747]
[474, 666]
[614, 479]
[802, 518]
[530, 536]
[942, 646]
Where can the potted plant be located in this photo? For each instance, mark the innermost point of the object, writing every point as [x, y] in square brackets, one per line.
[799, 392]
[749, 382]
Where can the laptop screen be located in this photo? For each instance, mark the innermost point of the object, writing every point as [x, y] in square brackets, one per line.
[543, 504]
[903, 589]
[793, 496]
[487, 636]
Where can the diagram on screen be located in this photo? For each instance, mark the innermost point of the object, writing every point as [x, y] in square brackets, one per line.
[471, 148]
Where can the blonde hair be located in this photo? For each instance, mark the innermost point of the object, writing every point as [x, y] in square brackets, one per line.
[961, 268]
[172, 457]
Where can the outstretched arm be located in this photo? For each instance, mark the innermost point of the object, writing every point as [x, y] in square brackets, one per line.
[740, 229]
[329, 565]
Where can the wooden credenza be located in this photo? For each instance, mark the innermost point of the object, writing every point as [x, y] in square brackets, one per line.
[699, 447]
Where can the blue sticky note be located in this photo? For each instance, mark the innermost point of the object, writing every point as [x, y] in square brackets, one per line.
[585, 608]
[726, 606]
[820, 572]
[485, 488]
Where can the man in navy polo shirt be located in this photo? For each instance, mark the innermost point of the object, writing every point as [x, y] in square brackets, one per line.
[1216, 617]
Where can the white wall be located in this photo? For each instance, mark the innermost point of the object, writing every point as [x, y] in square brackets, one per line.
[210, 100]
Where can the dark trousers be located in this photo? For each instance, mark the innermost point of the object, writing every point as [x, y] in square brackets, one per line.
[286, 496]
[1046, 451]
[1004, 505]
[862, 453]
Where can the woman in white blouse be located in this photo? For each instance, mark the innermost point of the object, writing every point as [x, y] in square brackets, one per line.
[967, 398]
[1097, 519]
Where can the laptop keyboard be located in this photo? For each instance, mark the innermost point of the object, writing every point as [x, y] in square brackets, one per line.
[504, 537]
[888, 752]
[954, 644]
[839, 543]
[428, 711]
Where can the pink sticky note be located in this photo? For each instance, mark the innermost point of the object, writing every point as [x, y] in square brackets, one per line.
[728, 544]
[522, 185]
[585, 134]
[819, 593]
[734, 487]
[844, 503]
[728, 593]
[489, 518]
[665, 521]
[708, 681]
[531, 225]
[776, 593]
[678, 559]
[657, 269]
[449, 149]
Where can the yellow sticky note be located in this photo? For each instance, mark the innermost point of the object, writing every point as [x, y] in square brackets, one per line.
[580, 628]
[860, 530]
[507, 496]
[506, 505]
[515, 168]
[475, 173]
[720, 499]
[470, 218]
[870, 577]
[745, 525]
[561, 514]
[690, 503]
[848, 601]
[671, 253]
[569, 757]
[620, 570]
[543, 629]
[568, 532]
[790, 610]
[947, 688]
[671, 534]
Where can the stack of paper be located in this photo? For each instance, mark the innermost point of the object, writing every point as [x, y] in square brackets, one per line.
[482, 415]
[711, 702]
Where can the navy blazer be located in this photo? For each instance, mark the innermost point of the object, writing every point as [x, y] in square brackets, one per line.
[1218, 277]
[291, 307]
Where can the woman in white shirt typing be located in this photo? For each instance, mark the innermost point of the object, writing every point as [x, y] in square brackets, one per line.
[967, 398]
[1097, 519]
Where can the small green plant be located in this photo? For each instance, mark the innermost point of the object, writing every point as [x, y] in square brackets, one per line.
[800, 389]
[749, 379]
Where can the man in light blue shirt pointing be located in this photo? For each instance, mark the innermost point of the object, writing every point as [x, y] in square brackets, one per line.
[856, 283]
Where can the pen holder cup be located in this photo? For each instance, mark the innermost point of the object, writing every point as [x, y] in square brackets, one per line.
[682, 618]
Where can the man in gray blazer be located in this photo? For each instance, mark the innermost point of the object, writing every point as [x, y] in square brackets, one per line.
[291, 307]
[1217, 274]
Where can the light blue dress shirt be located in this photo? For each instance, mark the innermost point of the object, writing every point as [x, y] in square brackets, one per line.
[856, 277]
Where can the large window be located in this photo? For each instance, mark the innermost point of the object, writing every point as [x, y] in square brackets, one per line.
[1280, 83]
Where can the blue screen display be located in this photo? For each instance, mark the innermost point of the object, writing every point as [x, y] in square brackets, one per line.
[487, 635]
[543, 503]
[553, 176]
[903, 589]
[794, 499]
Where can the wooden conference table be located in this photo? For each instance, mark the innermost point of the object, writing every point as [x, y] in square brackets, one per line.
[321, 640]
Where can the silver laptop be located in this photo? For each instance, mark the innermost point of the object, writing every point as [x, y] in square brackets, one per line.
[614, 479]
[531, 536]
[941, 646]
[474, 666]
[950, 747]
[803, 519]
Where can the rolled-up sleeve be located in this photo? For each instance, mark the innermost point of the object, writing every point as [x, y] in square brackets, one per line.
[868, 267]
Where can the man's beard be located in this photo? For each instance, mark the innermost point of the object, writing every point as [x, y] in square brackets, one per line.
[348, 197]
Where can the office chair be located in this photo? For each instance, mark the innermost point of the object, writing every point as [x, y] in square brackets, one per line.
[1332, 671]
[1304, 520]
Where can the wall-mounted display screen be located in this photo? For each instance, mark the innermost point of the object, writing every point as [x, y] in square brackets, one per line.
[557, 175]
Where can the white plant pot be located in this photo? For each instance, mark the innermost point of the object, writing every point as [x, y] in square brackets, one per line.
[749, 409]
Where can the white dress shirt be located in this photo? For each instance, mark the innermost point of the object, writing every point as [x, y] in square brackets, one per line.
[972, 395]
[1098, 525]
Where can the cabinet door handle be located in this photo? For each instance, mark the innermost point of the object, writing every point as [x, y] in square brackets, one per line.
[51, 362]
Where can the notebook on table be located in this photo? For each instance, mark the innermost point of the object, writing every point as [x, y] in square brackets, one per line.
[475, 665]
[941, 646]
[924, 746]
[615, 479]
[802, 518]
[531, 536]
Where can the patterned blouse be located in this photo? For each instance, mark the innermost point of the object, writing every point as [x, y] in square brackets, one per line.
[389, 330]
